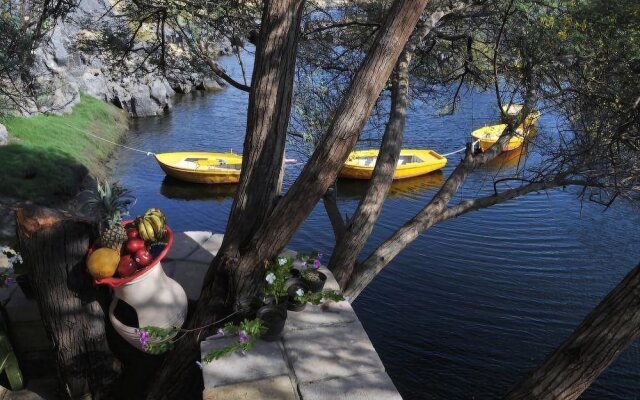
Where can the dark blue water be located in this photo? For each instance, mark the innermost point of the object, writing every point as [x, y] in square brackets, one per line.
[474, 302]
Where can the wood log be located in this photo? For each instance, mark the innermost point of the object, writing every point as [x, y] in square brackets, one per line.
[603, 335]
[53, 246]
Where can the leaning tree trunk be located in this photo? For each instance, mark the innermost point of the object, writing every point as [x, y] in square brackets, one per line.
[54, 246]
[603, 335]
[361, 223]
[262, 167]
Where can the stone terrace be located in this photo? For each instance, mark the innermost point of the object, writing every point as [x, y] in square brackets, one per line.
[324, 352]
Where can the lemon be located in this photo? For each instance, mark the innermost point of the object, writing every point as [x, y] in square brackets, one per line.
[103, 262]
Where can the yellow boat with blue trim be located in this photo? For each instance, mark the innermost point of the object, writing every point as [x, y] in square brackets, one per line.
[201, 167]
[412, 162]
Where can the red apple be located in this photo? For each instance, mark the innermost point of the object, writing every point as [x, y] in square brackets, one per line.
[126, 266]
[143, 257]
[135, 245]
[132, 233]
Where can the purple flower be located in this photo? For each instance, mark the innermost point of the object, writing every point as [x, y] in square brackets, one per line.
[319, 256]
[143, 337]
[9, 280]
[316, 263]
[243, 336]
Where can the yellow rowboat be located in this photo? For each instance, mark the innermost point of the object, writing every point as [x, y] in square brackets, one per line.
[488, 135]
[513, 110]
[201, 167]
[412, 162]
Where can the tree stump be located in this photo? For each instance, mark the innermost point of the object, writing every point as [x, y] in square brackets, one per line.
[53, 246]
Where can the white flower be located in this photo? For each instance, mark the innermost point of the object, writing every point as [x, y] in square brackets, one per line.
[282, 261]
[271, 277]
[322, 300]
[199, 364]
[300, 292]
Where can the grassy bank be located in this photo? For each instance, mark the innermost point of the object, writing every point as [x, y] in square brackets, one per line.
[49, 155]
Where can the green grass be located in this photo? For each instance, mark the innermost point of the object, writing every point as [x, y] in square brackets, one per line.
[49, 155]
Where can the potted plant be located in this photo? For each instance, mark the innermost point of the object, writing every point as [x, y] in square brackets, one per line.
[296, 288]
[316, 298]
[248, 331]
[273, 312]
[310, 271]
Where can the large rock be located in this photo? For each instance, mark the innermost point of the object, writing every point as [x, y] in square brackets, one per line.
[4, 135]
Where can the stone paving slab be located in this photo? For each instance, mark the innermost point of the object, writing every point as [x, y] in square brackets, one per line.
[185, 243]
[376, 386]
[276, 388]
[265, 360]
[329, 313]
[190, 275]
[331, 352]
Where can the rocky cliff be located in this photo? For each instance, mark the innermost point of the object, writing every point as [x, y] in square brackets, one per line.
[63, 73]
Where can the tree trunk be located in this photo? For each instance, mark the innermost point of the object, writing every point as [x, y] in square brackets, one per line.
[54, 247]
[603, 335]
[330, 201]
[262, 165]
[361, 224]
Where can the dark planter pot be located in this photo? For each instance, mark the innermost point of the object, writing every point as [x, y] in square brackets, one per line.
[293, 285]
[313, 285]
[273, 317]
[316, 285]
[25, 285]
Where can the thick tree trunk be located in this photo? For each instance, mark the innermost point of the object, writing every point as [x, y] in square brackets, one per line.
[361, 224]
[603, 335]
[54, 246]
[267, 120]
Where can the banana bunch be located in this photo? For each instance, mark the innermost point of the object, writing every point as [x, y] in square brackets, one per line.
[151, 226]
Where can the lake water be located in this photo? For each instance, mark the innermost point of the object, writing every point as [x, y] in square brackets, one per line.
[473, 303]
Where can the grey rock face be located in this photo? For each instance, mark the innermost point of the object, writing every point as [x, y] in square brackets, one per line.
[4, 135]
[63, 72]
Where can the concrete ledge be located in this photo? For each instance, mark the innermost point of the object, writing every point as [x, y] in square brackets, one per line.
[277, 388]
[329, 313]
[359, 387]
[265, 360]
[331, 352]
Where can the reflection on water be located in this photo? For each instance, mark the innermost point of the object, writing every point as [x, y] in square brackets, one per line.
[179, 190]
[411, 187]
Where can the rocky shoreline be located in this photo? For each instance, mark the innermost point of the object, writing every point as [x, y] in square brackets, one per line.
[63, 70]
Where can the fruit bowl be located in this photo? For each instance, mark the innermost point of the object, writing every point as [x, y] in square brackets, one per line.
[116, 282]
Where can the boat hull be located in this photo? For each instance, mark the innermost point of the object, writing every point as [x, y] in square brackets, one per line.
[488, 135]
[432, 161]
[206, 169]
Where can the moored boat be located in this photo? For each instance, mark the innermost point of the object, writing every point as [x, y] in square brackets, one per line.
[412, 162]
[201, 167]
[488, 135]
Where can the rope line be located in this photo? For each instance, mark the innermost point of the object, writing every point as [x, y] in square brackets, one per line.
[148, 153]
[287, 161]
[473, 145]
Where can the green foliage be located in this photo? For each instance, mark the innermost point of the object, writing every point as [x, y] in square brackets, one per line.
[109, 201]
[49, 155]
[276, 277]
[248, 331]
[316, 298]
[157, 340]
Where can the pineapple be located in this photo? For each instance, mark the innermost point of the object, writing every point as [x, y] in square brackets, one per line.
[114, 235]
[107, 204]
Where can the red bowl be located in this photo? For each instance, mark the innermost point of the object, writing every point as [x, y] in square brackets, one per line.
[115, 282]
